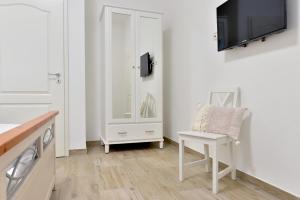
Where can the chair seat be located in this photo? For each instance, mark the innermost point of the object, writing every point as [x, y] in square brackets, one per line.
[213, 136]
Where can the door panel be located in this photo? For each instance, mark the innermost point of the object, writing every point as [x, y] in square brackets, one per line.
[121, 71]
[17, 41]
[16, 113]
[149, 89]
[31, 49]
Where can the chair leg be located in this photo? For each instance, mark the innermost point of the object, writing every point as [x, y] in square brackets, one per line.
[206, 153]
[215, 169]
[181, 159]
[232, 160]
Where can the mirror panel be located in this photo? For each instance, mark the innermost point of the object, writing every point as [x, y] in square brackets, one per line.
[122, 66]
[149, 87]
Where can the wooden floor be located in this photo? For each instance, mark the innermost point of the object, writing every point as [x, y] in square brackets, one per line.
[142, 172]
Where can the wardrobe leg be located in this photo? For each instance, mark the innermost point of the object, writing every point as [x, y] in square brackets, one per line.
[161, 144]
[106, 148]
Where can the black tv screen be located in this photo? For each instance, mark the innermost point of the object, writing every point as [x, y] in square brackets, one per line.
[241, 21]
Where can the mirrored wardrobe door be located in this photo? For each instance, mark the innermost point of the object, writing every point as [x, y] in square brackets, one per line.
[122, 66]
[149, 72]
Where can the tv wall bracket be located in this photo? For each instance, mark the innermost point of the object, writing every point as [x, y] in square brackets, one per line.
[263, 39]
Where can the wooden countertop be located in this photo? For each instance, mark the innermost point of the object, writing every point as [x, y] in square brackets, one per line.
[11, 138]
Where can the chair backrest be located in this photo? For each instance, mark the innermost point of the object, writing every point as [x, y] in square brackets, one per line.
[224, 97]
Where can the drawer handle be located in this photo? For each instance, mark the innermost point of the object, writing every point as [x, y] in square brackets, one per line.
[122, 133]
[149, 132]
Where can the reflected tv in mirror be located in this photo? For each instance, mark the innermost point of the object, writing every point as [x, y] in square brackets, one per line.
[146, 65]
[242, 21]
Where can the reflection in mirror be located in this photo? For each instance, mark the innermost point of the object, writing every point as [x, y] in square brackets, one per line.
[148, 107]
[122, 60]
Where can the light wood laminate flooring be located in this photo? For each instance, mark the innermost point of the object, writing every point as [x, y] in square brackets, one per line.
[142, 172]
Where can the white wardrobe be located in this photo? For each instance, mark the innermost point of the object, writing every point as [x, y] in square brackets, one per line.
[133, 106]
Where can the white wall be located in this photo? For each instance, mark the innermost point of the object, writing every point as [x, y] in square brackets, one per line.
[77, 108]
[266, 72]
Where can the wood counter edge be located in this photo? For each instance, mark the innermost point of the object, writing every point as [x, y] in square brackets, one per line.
[11, 138]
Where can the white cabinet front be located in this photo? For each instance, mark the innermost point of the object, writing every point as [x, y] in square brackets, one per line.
[122, 72]
[149, 88]
[133, 132]
[132, 72]
[131, 95]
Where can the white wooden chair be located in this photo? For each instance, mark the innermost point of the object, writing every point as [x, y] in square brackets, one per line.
[224, 97]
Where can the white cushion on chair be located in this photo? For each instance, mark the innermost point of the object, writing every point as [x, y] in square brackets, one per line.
[201, 120]
[220, 120]
[199, 134]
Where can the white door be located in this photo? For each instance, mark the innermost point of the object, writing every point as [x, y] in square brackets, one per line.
[32, 62]
[149, 89]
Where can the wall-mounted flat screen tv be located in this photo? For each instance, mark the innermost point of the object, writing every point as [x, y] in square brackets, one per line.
[242, 21]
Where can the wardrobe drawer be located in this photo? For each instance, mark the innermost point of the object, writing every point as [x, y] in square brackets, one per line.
[129, 132]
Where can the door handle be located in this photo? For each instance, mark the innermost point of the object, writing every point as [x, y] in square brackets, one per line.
[150, 132]
[54, 74]
[122, 133]
[57, 76]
